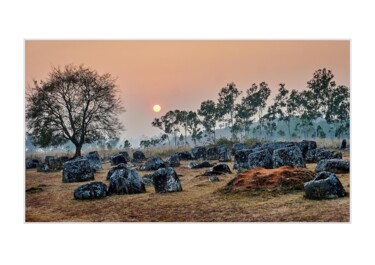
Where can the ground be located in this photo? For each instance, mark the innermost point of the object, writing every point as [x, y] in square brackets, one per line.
[52, 201]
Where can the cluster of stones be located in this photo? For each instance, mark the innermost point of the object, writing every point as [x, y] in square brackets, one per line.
[50, 164]
[122, 179]
[277, 154]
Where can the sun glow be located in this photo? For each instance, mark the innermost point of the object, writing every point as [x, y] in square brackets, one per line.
[156, 108]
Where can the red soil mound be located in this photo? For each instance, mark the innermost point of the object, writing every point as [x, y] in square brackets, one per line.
[279, 179]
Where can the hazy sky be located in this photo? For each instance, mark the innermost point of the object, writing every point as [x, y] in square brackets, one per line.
[182, 74]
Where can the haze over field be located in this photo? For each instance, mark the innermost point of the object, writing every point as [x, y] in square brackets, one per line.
[182, 74]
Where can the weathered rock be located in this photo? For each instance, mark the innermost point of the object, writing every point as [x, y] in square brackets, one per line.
[32, 163]
[281, 179]
[199, 152]
[117, 159]
[218, 169]
[46, 168]
[214, 179]
[49, 160]
[173, 161]
[261, 158]
[184, 155]
[138, 156]
[311, 156]
[113, 169]
[213, 153]
[276, 145]
[125, 155]
[94, 160]
[153, 163]
[62, 159]
[77, 170]
[290, 156]
[200, 165]
[305, 146]
[147, 181]
[126, 181]
[166, 180]
[237, 147]
[326, 154]
[52, 164]
[336, 166]
[221, 167]
[337, 155]
[93, 190]
[325, 185]
[343, 144]
[224, 154]
[315, 155]
[241, 159]
[42, 167]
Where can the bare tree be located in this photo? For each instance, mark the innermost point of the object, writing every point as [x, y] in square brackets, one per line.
[74, 104]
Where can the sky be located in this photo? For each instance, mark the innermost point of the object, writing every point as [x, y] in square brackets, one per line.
[181, 74]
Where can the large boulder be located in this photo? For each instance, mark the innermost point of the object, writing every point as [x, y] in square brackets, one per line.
[125, 155]
[336, 166]
[117, 159]
[113, 169]
[49, 160]
[185, 155]
[94, 160]
[237, 147]
[199, 152]
[43, 167]
[138, 156]
[93, 190]
[32, 163]
[325, 185]
[261, 158]
[166, 180]
[276, 145]
[241, 159]
[213, 153]
[77, 170]
[221, 167]
[218, 169]
[290, 156]
[306, 146]
[224, 153]
[315, 155]
[52, 164]
[153, 163]
[194, 165]
[173, 161]
[126, 181]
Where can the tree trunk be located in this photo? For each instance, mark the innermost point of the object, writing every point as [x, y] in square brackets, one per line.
[78, 150]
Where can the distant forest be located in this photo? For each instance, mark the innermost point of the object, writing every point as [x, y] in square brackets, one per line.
[320, 111]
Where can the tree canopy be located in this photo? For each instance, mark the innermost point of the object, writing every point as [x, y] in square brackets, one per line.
[73, 104]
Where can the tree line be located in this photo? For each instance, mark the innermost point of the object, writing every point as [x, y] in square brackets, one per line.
[247, 114]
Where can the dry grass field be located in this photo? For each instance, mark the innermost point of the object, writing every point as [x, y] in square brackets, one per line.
[50, 200]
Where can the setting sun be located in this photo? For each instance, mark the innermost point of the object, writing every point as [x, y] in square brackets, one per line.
[156, 108]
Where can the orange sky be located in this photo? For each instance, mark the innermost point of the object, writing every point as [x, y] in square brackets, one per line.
[182, 74]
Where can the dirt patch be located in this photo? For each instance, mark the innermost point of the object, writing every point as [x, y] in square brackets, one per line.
[283, 179]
